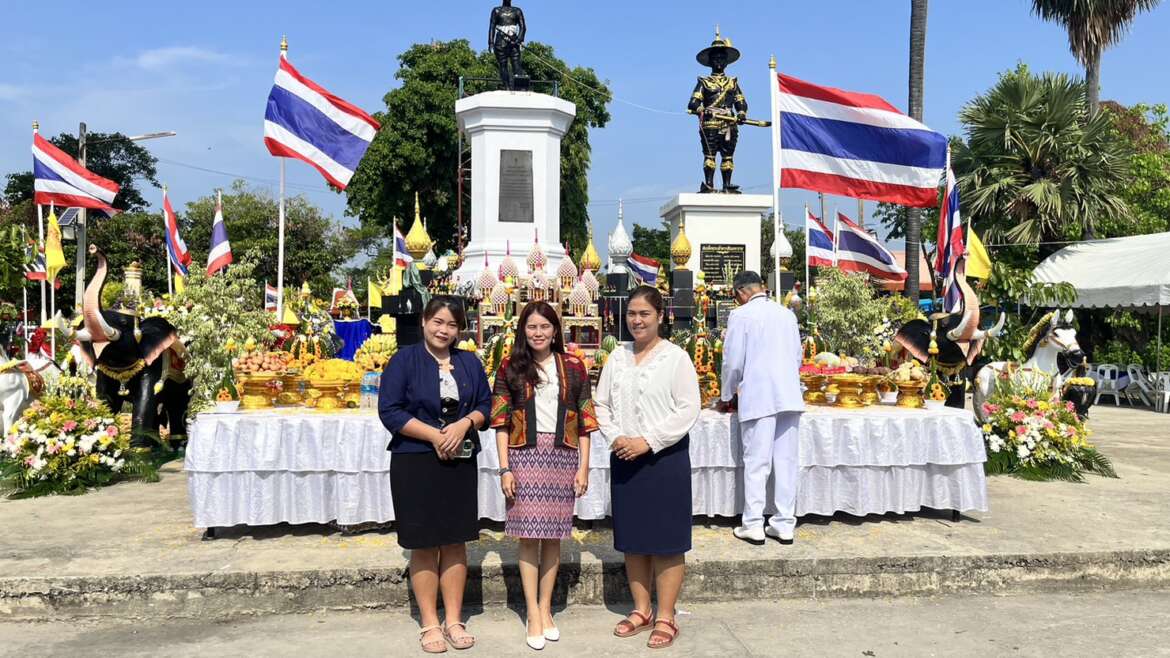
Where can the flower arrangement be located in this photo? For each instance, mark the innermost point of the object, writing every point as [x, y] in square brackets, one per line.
[1034, 435]
[64, 444]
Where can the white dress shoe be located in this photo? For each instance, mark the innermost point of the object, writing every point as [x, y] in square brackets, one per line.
[536, 642]
[552, 634]
[754, 536]
[782, 537]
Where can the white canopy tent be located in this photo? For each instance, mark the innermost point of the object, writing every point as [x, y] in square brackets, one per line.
[1130, 273]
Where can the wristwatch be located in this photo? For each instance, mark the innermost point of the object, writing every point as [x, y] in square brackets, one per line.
[503, 470]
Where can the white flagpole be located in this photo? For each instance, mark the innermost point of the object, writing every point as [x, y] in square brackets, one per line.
[40, 252]
[166, 242]
[280, 221]
[24, 291]
[807, 280]
[280, 250]
[369, 303]
[836, 236]
[777, 172]
[53, 327]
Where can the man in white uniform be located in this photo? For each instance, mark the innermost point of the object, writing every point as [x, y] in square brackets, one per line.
[761, 365]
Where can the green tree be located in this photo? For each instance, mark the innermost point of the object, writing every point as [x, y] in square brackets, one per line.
[417, 149]
[126, 238]
[109, 155]
[14, 252]
[1092, 26]
[653, 242]
[917, 83]
[1036, 167]
[315, 247]
[1146, 130]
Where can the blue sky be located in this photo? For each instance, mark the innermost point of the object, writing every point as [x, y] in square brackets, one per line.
[204, 71]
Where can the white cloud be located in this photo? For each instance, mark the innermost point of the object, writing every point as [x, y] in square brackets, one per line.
[161, 58]
[11, 92]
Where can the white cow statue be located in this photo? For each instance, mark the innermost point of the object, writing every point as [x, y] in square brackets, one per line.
[21, 382]
[1052, 340]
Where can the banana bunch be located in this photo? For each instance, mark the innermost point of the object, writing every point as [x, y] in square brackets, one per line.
[333, 370]
[375, 352]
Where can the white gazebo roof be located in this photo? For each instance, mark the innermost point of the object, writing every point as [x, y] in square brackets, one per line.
[1130, 272]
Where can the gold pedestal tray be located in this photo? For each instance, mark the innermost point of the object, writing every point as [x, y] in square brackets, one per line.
[910, 395]
[290, 393]
[869, 389]
[814, 385]
[326, 395]
[849, 391]
[256, 391]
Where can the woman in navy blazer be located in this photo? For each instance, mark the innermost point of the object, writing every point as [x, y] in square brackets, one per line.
[434, 399]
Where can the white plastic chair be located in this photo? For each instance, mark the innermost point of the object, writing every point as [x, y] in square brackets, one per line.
[1107, 383]
[1139, 385]
[1162, 392]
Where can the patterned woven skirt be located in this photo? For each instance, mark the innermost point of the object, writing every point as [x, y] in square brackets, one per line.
[543, 507]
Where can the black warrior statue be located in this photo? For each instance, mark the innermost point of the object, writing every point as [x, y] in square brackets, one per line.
[721, 107]
[505, 38]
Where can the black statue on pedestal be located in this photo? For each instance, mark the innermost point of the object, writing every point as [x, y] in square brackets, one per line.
[505, 38]
[721, 107]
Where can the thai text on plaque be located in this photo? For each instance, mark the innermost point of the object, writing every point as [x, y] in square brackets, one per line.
[718, 260]
[516, 186]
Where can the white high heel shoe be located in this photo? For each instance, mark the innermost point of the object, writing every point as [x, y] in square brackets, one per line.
[552, 634]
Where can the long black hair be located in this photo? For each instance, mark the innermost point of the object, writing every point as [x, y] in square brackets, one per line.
[522, 368]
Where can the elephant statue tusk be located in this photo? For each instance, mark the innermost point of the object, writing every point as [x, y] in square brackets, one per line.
[91, 304]
[993, 332]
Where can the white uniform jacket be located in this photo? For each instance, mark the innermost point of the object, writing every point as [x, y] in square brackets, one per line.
[761, 359]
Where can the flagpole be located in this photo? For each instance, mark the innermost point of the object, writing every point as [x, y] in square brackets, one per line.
[807, 280]
[280, 222]
[836, 236]
[777, 173]
[52, 327]
[41, 246]
[166, 250]
[24, 292]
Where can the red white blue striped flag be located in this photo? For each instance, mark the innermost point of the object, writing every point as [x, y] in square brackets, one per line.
[856, 145]
[858, 251]
[177, 252]
[220, 254]
[818, 240]
[644, 269]
[59, 180]
[951, 245]
[306, 122]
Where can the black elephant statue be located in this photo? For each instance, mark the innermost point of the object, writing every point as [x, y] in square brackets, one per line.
[956, 335]
[135, 361]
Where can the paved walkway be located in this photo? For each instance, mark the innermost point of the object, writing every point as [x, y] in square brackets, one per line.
[144, 530]
[1113, 624]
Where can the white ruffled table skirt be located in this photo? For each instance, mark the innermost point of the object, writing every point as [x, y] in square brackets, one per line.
[296, 466]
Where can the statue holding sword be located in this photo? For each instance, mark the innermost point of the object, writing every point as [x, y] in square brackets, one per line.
[722, 108]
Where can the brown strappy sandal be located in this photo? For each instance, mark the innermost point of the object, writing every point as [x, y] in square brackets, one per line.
[656, 633]
[434, 646]
[466, 642]
[631, 629]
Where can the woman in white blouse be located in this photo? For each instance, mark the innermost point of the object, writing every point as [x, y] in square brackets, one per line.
[647, 400]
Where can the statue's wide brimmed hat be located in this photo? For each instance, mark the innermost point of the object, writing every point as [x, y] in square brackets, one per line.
[719, 44]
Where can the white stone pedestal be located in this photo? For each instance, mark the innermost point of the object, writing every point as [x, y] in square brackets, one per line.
[719, 219]
[502, 124]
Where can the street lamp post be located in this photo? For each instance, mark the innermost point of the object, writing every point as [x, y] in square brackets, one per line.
[79, 285]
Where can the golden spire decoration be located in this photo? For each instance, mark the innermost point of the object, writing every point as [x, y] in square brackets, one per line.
[418, 243]
[283, 44]
[590, 260]
[680, 250]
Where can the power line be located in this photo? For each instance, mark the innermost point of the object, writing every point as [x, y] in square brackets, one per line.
[255, 179]
[565, 72]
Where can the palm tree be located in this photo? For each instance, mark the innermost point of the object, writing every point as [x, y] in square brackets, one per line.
[1036, 167]
[1092, 26]
[917, 66]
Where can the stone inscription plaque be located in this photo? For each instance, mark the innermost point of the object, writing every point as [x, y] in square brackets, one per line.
[516, 186]
[715, 259]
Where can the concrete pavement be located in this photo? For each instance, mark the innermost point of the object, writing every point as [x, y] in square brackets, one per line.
[130, 549]
[1094, 624]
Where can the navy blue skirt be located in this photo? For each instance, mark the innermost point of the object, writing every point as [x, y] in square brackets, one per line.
[652, 501]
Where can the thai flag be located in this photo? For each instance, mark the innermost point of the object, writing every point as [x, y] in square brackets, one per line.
[951, 247]
[644, 269]
[270, 297]
[402, 257]
[858, 251]
[220, 254]
[306, 122]
[58, 179]
[856, 145]
[177, 251]
[818, 240]
[35, 271]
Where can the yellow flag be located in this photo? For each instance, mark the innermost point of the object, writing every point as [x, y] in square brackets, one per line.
[394, 285]
[978, 262]
[180, 283]
[374, 294]
[54, 254]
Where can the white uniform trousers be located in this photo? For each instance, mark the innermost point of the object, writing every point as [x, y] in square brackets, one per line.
[770, 445]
